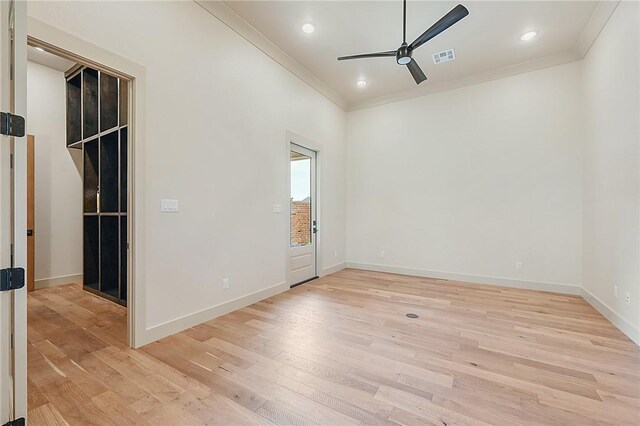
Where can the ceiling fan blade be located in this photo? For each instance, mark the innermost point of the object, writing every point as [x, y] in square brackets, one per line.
[416, 72]
[456, 14]
[368, 55]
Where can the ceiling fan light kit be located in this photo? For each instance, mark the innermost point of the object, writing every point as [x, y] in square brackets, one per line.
[404, 53]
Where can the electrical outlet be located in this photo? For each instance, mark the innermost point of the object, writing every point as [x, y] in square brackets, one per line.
[615, 291]
[381, 253]
[225, 284]
[518, 266]
[335, 253]
[627, 298]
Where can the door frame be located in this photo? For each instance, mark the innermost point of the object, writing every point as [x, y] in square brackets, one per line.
[13, 215]
[63, 44]
[292, 138]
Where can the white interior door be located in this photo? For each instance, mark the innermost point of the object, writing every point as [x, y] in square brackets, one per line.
[302, 219]
[13, 234]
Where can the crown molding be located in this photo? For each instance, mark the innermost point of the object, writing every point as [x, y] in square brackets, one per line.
[592, 30]
[234, 21]
[590, 33]
[468, 80]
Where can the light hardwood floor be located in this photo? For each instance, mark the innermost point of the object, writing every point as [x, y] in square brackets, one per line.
[339, 351]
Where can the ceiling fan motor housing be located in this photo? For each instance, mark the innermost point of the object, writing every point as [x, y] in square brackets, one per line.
[403, 54]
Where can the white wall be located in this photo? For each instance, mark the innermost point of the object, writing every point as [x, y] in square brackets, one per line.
[58, 180]
[217, 111]
[611, 186]
[464, 184]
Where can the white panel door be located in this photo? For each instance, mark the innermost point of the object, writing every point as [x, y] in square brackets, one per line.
[302, 219]
[13, 313]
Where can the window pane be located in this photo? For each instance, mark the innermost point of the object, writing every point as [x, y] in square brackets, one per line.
[300, 199]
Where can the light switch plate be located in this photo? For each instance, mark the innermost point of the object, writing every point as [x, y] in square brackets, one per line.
[277, 208]
[170, 206]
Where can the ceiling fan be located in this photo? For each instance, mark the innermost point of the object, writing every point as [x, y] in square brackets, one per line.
[404, 52]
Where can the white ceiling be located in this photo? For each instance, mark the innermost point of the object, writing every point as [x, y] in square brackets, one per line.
[48, 59]
[485, 41]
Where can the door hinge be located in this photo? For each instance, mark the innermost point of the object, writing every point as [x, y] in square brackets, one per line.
[17, 422]
[11, 125]
[11, 279]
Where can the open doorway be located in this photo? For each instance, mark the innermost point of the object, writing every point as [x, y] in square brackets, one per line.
[78, 214]
[77, 176]
[77, 205]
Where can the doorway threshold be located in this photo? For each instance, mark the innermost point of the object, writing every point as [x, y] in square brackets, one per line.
[303, 282]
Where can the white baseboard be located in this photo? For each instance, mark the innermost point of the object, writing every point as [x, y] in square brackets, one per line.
[54, 281]
[622, 324]
[333, 268]
[479, 279]
[179, 324]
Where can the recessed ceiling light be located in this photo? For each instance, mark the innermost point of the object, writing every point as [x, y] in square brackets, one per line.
[39, 49]
[528, 36]
[361, 83]
[308, 28]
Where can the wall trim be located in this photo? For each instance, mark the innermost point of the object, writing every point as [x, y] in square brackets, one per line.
[478, 279]
[177, 325]
[620, 323]
[333, 268]
[54, 281]
[468, 80]
[594, 27]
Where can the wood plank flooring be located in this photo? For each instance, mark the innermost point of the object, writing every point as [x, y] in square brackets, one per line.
[339, 351]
